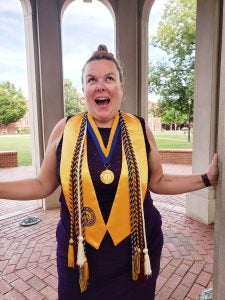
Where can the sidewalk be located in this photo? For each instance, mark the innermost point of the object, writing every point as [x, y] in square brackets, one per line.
[27, 254]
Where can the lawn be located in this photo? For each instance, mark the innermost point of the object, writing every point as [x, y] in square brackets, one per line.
[172, 140]
[22, 144]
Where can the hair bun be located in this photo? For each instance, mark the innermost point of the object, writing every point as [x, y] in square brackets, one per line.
[102, 48]
[102, 53]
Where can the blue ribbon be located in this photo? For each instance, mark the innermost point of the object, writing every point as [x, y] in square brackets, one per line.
[105, 159]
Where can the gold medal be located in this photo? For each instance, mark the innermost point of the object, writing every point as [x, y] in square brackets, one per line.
[107, 176]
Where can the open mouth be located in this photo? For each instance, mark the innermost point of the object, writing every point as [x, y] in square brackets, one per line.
[102, 101]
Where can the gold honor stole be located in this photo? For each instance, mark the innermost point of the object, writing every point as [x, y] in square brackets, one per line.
[118, 224]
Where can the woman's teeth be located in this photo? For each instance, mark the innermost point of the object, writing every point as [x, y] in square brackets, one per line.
[100, 101]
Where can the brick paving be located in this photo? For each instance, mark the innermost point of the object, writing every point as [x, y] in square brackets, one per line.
[27, 254]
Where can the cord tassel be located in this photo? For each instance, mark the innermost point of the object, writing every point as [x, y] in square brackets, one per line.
[147, 263]
[71, 253]
[81, 257]
[84, 277]
[136, 265]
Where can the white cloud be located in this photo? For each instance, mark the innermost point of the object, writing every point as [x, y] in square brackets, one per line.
[12, 57]
[84, 25]
[12, 6]
[155, 54]
[72, 65]
[12, 45]
[96, 11]
[155, 15]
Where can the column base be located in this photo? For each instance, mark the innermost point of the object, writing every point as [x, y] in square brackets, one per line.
[200, 206]
[52, 201]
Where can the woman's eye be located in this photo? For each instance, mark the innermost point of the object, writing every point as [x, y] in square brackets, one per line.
[109, 78]
[91, 80]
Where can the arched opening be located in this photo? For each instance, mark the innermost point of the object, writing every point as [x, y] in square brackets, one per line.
[19, 135]
[154, 54]
[82, 32]
[172, 34]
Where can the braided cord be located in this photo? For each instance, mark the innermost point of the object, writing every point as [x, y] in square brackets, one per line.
[80, 185]
[131, 178]
[136, 221]
[74, 179]
[77, 191]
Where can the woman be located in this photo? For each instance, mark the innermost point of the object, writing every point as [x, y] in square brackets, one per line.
[109, 237]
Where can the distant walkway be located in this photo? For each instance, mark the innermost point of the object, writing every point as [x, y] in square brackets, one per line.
[27, 254]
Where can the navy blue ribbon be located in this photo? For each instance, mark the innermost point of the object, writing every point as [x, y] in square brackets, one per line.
[105, 159]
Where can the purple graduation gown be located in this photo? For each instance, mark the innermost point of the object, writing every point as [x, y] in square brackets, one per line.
[109, 266]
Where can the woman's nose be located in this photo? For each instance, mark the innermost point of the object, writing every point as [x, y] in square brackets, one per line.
[100, 86]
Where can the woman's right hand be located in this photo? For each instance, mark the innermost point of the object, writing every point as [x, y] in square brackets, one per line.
[213, 170]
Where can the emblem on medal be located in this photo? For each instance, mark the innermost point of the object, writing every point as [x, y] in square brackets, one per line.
[107, 176]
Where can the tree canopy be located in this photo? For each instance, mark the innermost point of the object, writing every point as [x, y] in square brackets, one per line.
[74, 102]
[13, 105]
[172, 79]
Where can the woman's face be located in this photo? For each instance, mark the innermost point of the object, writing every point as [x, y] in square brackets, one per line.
[102, 90]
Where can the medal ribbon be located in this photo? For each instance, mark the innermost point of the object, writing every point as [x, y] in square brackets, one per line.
[104, 152]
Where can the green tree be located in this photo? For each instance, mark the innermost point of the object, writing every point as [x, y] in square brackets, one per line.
[173, 117]
[12, 103]
[74, 102]
[173, 78]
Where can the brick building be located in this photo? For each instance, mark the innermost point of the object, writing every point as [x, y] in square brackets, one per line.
[153, 121]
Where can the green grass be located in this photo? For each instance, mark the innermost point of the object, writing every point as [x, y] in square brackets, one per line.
[21, 144]
[172, 140]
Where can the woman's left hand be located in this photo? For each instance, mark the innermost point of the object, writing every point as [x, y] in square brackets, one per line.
[213, 171]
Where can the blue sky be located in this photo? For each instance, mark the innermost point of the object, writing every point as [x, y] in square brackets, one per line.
[84, 26]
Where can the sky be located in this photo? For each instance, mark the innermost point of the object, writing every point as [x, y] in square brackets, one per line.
[84, 27]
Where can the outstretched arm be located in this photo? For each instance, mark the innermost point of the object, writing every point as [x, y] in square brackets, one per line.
[169, 184]
[45, 182]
